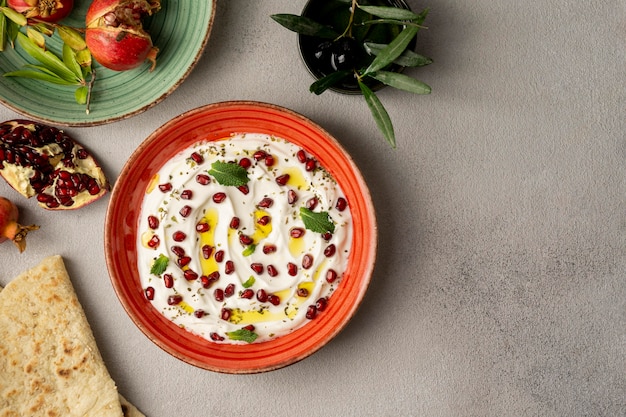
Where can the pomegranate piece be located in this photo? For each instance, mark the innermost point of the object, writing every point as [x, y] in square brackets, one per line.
[115, 34]
[43, 161]
[10, 229]
[45, 10]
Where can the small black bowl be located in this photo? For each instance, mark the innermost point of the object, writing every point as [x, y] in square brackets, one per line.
[323, 57]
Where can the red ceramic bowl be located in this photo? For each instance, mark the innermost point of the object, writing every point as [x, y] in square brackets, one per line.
[214, 122]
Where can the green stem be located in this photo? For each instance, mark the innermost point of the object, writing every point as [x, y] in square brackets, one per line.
[348, 31]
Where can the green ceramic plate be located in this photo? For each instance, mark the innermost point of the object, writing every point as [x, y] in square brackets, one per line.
[180, 30]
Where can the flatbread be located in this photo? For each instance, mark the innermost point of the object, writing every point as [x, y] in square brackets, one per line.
[49, 362]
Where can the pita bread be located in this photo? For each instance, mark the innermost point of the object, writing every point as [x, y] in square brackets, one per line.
[49, 362]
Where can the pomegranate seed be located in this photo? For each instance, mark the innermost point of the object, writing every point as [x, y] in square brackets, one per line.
[165, 187]
[330, 250]
[269, 248]
[249, 327]
[219, 256]
[258, 155]
[179, 236]
[272, 271]
[301, 155]
[204, 280]
[321, 304]
[266, 202]
[168, 280]
[261, 295]
[341, 204]
[331, 276]
[245, 163]
[219, 197]
[209, 280]
[229, 290]
[245, 239]
[185, 211]
[310, 164]
[302, 292]
[234, 223]
[327, 236]
[257, 267]
[207, 250]
[183, 261]
[226, 313]
[247, 294]
[197, 157]
[219, 294]
[216, 337]
[269, 160]
[190, 275]
[186, 195]
[203, 179]
[149, 293]
[229, 267]
[82, 154]
[244, 189]
[282, 179]
[178, 251]
[307, 261]
[292, 269]
[199, 313]
[203, 227]
[273, 299]
[296, 232]
[154, 241]
[311, 312]
[264, 220]
[311, 203]
[153, 222]
[174, 299]
[292, 197]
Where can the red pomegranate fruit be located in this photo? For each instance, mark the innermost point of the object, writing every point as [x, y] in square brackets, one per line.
[115, 34]
[43, 161]
[45, 10]
[10, 229]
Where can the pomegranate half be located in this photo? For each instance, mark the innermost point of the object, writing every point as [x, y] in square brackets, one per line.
[45, 10]
[43, 161]
[115, 34]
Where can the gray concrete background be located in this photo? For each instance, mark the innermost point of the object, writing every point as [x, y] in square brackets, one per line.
[500, 284]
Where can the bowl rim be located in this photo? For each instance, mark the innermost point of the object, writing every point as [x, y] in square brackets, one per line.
[210, 122]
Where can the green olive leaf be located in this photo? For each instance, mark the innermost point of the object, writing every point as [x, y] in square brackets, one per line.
[16, 17]
[69, 59]
[324, 83]
[394, 13]
[38, 73]
[304, 26]
[393, 50]
[381, 117]
[47, 58]
[407, 59]
[401, 81]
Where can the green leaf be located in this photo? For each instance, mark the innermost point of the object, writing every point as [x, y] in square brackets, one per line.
[47, 58]
[242, 334]
[401, 81]
[249, 250]
[72, 38]
[3, 32]
[304, 26]
[393, 50]
[159, 265]
[407, 59]
[81, 94]
[12, 30]
[229, 174]
[395, 13]
[319, 222]
[249, 282]
[381, 117]
[69, 59]
[38, 75]
[14, 16]
[324, 83]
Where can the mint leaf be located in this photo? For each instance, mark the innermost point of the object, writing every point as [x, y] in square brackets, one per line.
[159, 265]
[319, 222]
[242, 334]
[229, 174]
[249, 282]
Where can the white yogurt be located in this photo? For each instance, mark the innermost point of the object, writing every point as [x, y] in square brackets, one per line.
[189, 293]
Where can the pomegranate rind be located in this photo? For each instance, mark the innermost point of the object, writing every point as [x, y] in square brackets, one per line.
[43, 161]
[45, 11]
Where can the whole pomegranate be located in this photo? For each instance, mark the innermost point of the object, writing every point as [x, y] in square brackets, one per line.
[41, 160]
[45, 10]
[115, 34]
[10, 229]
